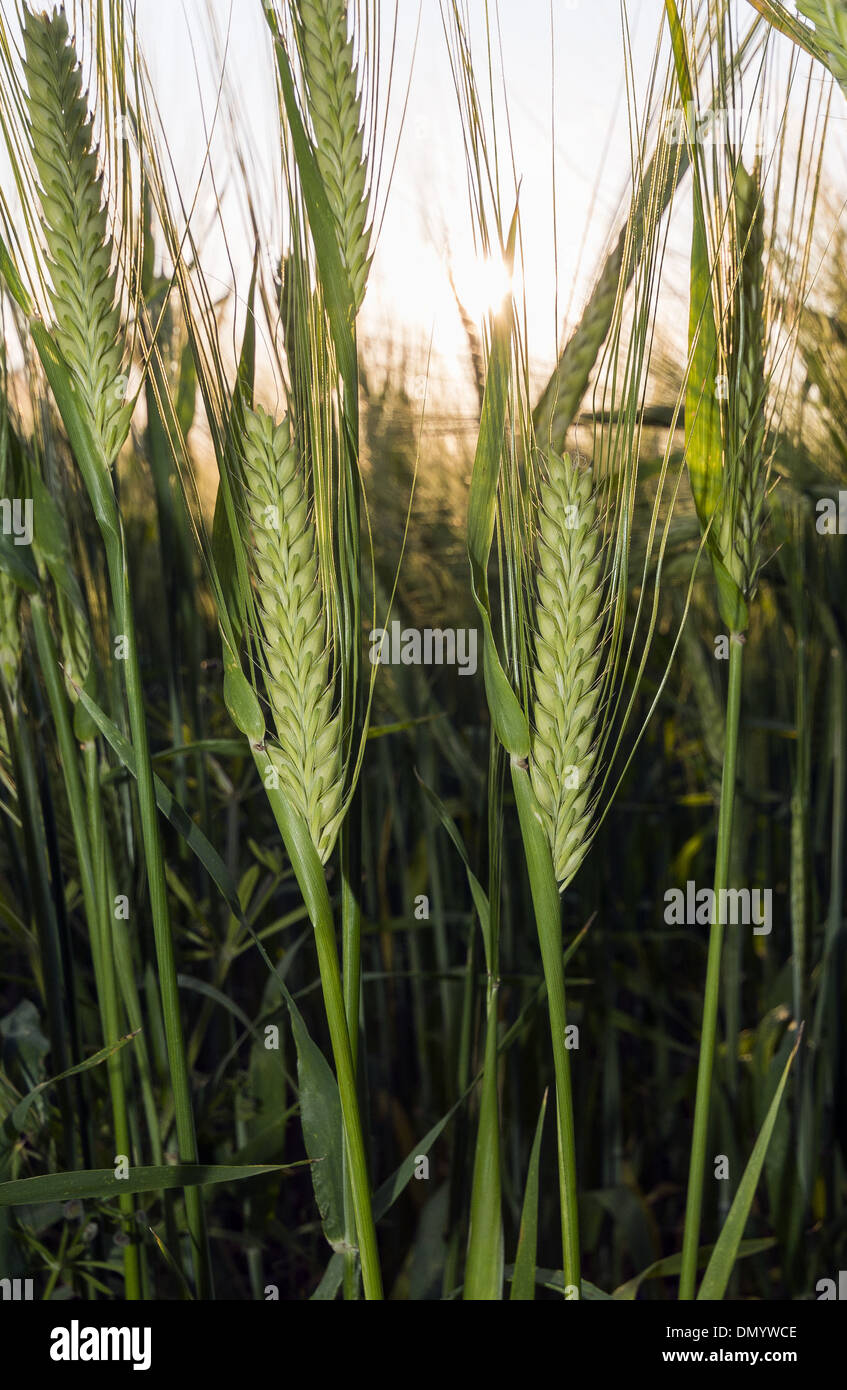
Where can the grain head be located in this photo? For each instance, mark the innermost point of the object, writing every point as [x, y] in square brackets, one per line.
[336, 114]
[568, 649]
[82, 282]
[294, 628]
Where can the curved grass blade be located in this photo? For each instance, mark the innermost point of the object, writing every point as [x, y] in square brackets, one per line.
[523, 1278]
[725, 1253]
[485, 1260]
[319, 1096]
[672, 1264]
[323, 1131]
[98, 1183]
[546, 902]
[478, 893]
[16, 1119]
[331, 1280]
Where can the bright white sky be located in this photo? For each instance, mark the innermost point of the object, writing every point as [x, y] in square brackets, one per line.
[570, 49]
[427, 225]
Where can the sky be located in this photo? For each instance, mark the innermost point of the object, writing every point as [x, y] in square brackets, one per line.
[569, 87]
[571, 50]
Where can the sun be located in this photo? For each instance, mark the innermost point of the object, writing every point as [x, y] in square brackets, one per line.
[482, 284]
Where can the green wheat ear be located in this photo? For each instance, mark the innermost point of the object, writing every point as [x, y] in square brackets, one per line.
[294, 628]
[830, 20]
[557, 408]
[568, 648]
[83, 290]
[335, 109]
[748, 352]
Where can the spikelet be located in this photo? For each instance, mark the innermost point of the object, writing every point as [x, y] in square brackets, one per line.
[568, 647]
[336, 113]
[556, 410]
[294, 634]
[830, 20]
[559, 403]
[748, 362]
[83, 288]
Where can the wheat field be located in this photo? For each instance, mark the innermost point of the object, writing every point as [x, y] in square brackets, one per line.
[423, 825]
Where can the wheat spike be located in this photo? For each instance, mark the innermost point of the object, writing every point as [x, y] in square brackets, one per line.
[748, 349]
[294, 629]
[556, 410]
[83, 288]
[742, 510]
[568, 642]
[830, 20]
[335, 109]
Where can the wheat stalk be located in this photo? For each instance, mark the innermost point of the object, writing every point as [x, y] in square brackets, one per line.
[336, 113]
[10, 646]
[89, 388]
[83, 290]
[10, 631]
[294, 628]
[568, 643]
[76, 645]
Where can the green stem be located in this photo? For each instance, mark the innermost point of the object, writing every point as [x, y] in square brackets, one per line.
[97, 915]
[545, 898]
[125, 970]
[697, 1166]
[351, 952]
[43, 909]
[484, 1262]
[800, 833]
[484, 1265]
[342, 1052]
[351, 921]
[313, 887]
[461, 1128]
[827, 1000]
[157, 885]
[94, 465]
[351, 830]
[111, 1011]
